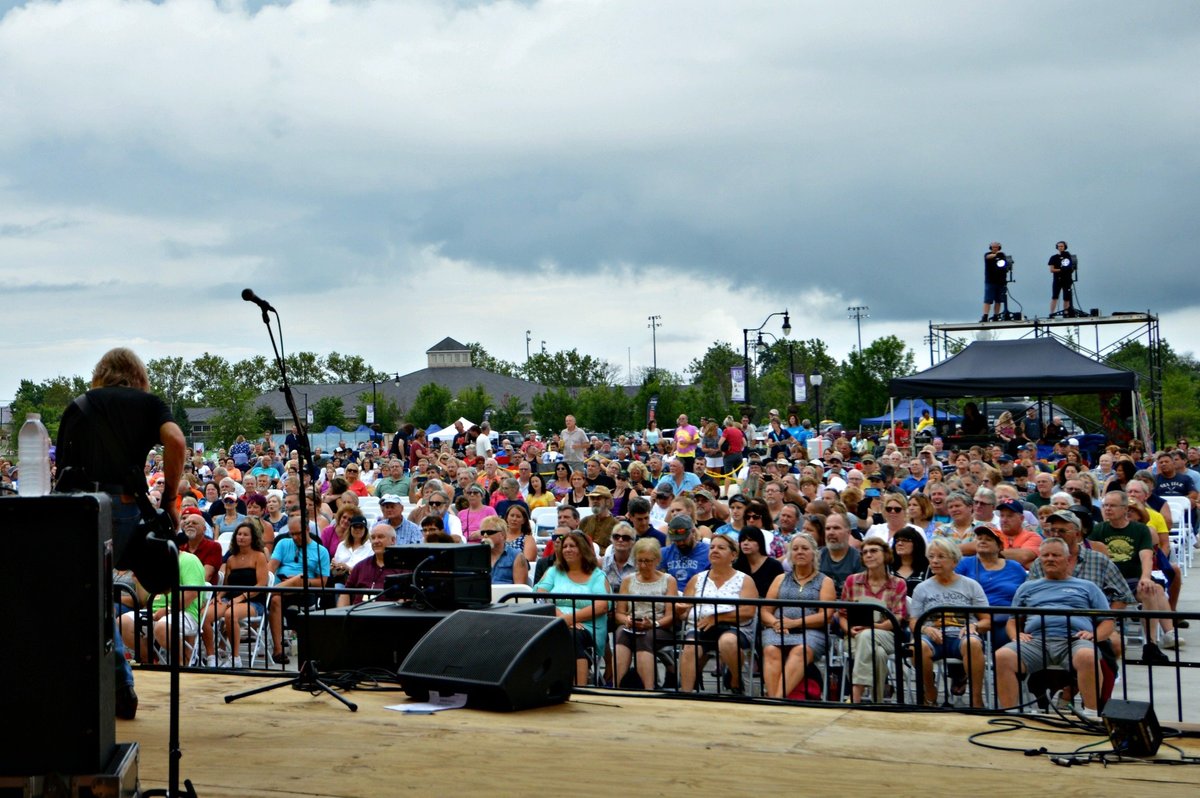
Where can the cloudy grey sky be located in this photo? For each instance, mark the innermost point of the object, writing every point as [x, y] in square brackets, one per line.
[388, 173]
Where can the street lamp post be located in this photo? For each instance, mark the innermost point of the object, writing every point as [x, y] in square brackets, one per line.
[787, 330]
[791, 360]
[816, 380]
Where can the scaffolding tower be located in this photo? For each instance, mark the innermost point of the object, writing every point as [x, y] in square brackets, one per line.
[943, 339]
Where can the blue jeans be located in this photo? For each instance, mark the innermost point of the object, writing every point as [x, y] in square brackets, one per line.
[125, 519]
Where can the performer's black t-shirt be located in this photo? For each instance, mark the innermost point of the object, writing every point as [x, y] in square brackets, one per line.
[1063, 260]
[993, 272]
[135, 418]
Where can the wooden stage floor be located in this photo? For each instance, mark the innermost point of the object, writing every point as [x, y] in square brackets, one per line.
[287, 743]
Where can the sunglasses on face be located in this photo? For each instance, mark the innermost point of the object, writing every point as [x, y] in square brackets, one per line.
[753, 514]
[622, 537]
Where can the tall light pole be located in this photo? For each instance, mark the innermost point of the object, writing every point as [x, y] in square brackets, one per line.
[527, 340]
[655, 323]
[858, 313]
[787, 330]
[816, 380]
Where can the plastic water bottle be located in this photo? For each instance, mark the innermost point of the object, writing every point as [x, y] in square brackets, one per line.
[33, 457]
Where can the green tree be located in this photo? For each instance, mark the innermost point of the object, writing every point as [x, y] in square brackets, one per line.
[264, 420]
[432, 406]
[862, 389]
[180, 415]
[1181, 404]
[569, 369]
[306, 368]
[775, 381]
[550, 407]
[235, 413]
[482, 359]
[470, 403]
[50, 398]
[510, 414]
[604, 408]
[328, 412]
[387, 412]
[208, 376]
[712, 383]
[672, 399]
[351, 368]
[169, 380]
[256, 373]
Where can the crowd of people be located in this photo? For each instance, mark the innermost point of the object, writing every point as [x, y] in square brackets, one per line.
[721, 511]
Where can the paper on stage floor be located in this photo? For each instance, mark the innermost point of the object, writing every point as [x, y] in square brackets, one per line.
[436, 703]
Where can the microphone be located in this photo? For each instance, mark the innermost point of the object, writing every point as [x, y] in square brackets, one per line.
[249, 295]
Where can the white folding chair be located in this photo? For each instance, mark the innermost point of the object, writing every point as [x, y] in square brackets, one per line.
[499, 591]
[1183, 533]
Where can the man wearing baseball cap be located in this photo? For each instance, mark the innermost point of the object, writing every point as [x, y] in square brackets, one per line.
[1020, 541]
[686, 556]
[1000, 577]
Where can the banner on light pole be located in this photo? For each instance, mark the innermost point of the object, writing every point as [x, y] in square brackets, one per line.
[737, 378]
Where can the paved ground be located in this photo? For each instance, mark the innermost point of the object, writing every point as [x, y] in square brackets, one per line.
[1166, 684]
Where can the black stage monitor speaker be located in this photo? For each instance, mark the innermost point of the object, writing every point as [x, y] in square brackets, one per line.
[502, 661]
[448, 576]
[1132, 727]
[57, 668]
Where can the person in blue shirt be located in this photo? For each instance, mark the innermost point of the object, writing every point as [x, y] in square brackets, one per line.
[687, 555]
[1041, 641]
[1000, 578]
[916, 478]
[679, 478]
[293, 558]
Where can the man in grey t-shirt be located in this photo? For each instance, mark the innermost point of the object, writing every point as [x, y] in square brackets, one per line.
[574, 444]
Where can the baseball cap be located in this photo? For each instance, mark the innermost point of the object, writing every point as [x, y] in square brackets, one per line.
[680, 527]
[390, 498]
[358, 520]
[1068, 516]
[665, 489]
[190, 511]
[1012, 505]
[988, 529]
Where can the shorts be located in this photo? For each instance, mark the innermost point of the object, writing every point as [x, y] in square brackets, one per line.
[645, 641]
[994, 292]
[1061, 284]
[1056, 651]
[707, 639]
[189, 627]
[949, 647]
[257, 606]
[584, 643]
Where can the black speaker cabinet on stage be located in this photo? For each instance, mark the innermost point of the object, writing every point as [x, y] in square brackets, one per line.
[449, 576]
[57, 668]
[1132, 727]
[503, 661]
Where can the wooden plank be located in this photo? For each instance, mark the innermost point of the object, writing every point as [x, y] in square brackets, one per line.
[289, 744]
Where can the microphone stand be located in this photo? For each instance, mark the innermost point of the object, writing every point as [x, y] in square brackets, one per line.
[308, 677]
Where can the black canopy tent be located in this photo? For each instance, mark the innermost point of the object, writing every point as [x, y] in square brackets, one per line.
[1014, 368]
[1033, 366]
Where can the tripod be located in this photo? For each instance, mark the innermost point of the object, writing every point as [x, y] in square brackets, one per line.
[308, 678]
[1069, 309]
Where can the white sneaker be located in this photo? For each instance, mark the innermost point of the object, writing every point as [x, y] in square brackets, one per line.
[211, 661]
[1090, 714]
[237, 662]
[1171, 641]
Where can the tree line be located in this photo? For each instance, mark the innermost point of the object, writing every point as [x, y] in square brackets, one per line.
[582, 385]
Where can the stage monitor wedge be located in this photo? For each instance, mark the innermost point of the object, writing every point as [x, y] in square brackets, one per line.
[503, 661]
